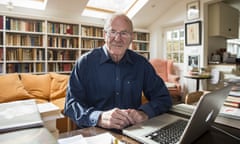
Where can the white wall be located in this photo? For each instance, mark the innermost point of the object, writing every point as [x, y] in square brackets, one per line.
[175, 16]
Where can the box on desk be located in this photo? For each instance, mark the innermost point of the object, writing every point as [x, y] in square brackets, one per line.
[50, 113]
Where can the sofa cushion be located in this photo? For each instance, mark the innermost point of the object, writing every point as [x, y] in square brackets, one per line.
[11, 88]
[37, 85]
[60, 102]
[58, 85]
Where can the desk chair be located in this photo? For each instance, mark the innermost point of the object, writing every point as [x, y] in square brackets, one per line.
[193, 97]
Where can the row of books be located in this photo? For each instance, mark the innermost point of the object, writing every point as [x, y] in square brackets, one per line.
[233, 99]
[60, 55]
[24, 67]
[60, 28]
[91, 43]
[60, 67]
[63, 42]
[92, 31]
[23, 54]
[140, 46]
[24, 40]
[141, 36]
[24, 25]
[1, 22]
[28, 54]
[1, 38]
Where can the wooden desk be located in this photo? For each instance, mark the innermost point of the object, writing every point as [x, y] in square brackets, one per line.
[197, 78]
[213, 136]
[92, 131]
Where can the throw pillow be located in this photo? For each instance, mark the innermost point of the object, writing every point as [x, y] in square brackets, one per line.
[59, 84]
[12, 89]
[37, 85]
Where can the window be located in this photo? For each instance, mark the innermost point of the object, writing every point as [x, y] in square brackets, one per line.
[34, 4]
[233, 47]
[175, 45]
[104, 8]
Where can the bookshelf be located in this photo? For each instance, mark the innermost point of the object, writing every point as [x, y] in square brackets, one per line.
[141, 43]
[23, 40]
[91, 37]
[1, 44]
[62, 46]
[38, 45]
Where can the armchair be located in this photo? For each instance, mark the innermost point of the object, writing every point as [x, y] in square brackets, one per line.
[165, 69]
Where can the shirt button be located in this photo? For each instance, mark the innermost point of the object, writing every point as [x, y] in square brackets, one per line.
[117, 78]
[117, 93]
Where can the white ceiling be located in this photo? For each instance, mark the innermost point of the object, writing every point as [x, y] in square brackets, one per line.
[72, 9]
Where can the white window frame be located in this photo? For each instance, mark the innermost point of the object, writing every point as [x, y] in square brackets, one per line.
[175, 28]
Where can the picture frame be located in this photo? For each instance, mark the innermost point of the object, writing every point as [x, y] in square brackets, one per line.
[193, 33]
[193, 10]
[193, 61]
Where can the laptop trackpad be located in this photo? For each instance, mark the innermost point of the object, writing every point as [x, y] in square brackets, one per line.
[153, 124]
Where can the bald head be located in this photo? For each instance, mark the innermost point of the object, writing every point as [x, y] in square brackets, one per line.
[122, 16]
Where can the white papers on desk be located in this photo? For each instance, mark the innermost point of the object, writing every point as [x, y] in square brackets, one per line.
[230, 112]
[78, 139]
[104, 138]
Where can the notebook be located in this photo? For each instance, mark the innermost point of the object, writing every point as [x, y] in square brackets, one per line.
[19, 115]
[200, 121]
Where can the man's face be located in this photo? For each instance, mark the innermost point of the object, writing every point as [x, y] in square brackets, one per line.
[118, 37]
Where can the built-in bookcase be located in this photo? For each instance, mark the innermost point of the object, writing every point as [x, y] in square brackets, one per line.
[62, 46]
[91, 37]
[24, 48]
[32, 45]
[1, 44]
[141, 43]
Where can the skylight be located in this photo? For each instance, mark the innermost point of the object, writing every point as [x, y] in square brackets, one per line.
[103, 8]
[34, 4]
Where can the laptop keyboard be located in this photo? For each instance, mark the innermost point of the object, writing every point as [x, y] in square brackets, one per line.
[169, 134]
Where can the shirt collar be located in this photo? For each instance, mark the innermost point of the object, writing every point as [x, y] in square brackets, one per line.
[105, 56]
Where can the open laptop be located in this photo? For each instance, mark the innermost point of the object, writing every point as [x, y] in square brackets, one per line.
[200, 121]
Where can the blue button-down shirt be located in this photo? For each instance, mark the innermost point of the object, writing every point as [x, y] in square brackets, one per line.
[98, 84]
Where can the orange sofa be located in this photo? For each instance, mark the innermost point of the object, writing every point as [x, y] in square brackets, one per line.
[50, 87]
[165, 69]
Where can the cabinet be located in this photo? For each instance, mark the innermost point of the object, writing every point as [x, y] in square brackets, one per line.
[32, 45]
[223, 20]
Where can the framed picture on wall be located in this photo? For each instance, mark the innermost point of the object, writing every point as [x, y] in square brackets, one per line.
[193, 33]
[193, 10]
[193, 61]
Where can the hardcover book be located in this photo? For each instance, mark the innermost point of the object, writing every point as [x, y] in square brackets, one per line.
[28, 136]
[19, 115]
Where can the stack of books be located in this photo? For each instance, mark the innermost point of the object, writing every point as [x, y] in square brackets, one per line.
[233, 99]
[21, 122]
[231, 107]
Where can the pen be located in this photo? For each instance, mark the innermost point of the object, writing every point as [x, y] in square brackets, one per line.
[114, 141]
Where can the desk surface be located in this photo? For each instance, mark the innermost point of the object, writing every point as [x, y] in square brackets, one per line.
[213, 136]
[92, 131]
